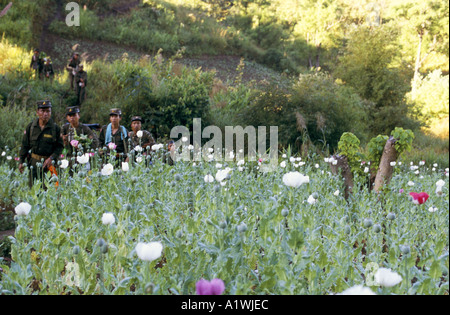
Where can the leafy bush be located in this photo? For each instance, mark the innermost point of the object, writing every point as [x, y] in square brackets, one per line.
[330, 109]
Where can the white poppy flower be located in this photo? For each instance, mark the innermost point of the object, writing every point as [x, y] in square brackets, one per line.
[108, 218]
[295, 179]
[311, 200]
[64, 164]
[357, 290]
[432, 209]
[157, 147]
[139, 134]
[149, 251]
[83, 159]
[107, 169]
[387, 278]
[222, 174]
[23, 208]
[208, 178]
[125, 166]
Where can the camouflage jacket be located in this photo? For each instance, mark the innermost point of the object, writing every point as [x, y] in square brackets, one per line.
[146, 140]
[80, 131]
[45, 142]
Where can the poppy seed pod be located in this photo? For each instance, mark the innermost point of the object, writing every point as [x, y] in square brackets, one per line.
[76, 250]
[368, 223]
[104, 248]
[377, 228]
[100, 242]
[391, 216]
[242, 227]
[405, 249]
[223, 224]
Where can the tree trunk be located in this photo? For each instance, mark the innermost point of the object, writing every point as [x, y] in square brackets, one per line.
[318, 56]
[416, 69]
[385, 170]
[343, 168]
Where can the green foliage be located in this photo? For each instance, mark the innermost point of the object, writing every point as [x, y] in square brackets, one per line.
[348, 145]
[404, 139]
[12, 124]
[431, 100]
[375, 149]
[365, 65]
[329, 109]
[241, 233]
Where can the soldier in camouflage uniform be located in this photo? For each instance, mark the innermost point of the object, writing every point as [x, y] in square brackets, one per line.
[37, 64]
[72, 67]
[81, 82]
[41, 143]
[139, 137]
[116, 134]
[74, 130]
[47, 70]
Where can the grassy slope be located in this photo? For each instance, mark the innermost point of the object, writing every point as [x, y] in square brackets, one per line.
[60, 50]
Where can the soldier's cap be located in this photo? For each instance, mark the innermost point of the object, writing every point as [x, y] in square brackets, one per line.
[135, 118]
[72, 110]
[115, 111]
[44, 104]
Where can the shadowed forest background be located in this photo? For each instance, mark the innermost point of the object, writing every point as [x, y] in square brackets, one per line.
[315, 69]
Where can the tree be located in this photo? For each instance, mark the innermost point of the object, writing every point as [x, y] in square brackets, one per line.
[365, 64]
[426, 23]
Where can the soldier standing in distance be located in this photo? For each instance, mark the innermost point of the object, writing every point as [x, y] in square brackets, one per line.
[143, 138]
[47, 70]
[41, 142]
[81, 82]
[36, 63]
[72, 67]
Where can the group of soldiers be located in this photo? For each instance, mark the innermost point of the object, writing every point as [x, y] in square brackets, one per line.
[43, 68]
[43, 140]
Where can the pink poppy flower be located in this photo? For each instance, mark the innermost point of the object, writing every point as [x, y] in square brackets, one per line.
[74, 143]
[213, 287]
[419, 198]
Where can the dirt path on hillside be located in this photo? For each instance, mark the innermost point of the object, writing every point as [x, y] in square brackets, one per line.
[60, 50]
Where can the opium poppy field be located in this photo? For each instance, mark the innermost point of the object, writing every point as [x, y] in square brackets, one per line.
[215, 227]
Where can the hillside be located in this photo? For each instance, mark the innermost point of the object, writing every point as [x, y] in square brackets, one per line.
[60, 48]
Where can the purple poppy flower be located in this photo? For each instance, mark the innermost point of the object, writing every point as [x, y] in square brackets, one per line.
[213, 287]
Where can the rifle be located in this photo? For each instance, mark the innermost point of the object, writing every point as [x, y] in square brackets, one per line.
[94, 126]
